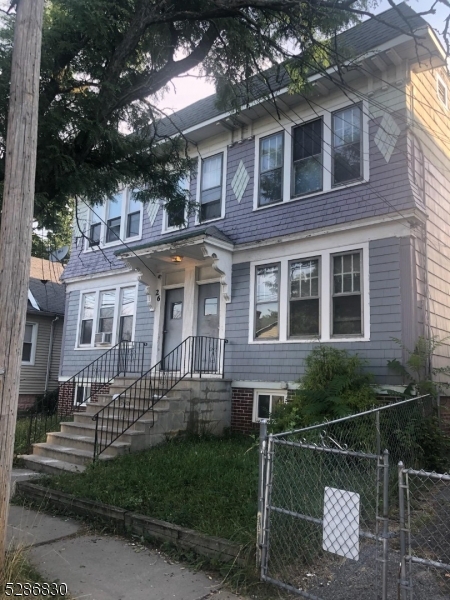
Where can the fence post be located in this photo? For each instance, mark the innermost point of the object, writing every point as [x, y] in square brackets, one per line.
[402, 583]
[384, 595]
[261, 487]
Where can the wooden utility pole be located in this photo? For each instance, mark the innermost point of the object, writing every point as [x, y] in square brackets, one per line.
[16, 229]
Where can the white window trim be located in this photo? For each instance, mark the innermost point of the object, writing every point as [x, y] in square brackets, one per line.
[34, 334]
[175, 228]
[287, 125]
[102, 212]
[440, 80]
[224, 152]
[325, 306]
[33, 301]
[97, 291]
[268, 392]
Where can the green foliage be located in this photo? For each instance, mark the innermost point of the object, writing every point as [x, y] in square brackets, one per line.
[334, 385]
[418, 372]
[202, 482]
[107, 63]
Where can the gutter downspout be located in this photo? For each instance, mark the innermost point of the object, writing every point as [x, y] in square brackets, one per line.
[50, 353]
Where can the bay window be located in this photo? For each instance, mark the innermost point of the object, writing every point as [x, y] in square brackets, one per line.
[113, 311]
[211, 188]
[347, 297]
[267, 302]
[120, 218]
[347, 145]
[304, 298]
[271, 169]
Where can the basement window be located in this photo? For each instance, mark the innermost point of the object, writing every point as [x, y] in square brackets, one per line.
[264, 402]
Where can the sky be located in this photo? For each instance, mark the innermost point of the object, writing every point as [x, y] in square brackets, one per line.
[188, 89]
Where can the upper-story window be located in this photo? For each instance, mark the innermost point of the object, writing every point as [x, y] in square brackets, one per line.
[312, 157]
[175, 219]
[120, 218]
[307, 164]
[211, 187]
[347, 142]
[271, 169]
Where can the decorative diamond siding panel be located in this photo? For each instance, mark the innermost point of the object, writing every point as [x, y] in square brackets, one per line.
[387, 135]
[240, 181]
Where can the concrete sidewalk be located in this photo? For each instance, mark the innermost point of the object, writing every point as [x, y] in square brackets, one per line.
[102, 567]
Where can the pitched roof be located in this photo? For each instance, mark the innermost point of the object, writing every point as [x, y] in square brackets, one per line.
[50, 297]
[40, 268]
[356, 41]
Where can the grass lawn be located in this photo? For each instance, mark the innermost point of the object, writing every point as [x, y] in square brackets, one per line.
[209, 484]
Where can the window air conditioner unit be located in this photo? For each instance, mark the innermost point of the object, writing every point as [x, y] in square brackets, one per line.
[103, 339]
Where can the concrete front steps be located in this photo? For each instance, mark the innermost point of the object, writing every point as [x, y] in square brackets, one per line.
[194, 404]
[72, 448]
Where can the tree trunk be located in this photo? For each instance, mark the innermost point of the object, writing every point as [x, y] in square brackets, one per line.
[16, 230]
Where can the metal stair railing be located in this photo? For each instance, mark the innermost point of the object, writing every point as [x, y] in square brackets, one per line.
[196, 355]
[71, 395]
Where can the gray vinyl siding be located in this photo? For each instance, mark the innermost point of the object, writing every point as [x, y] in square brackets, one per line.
[388, 191]
[32, 377]
[285, 362]
[74, 360]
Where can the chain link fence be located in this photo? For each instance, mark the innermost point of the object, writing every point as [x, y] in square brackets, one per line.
[424, 512]
[329, 502]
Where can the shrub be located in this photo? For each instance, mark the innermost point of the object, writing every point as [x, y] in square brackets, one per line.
[46, 403]
[334, 385]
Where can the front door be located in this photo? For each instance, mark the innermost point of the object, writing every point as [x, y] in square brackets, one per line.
[173, 328]
[207, 345]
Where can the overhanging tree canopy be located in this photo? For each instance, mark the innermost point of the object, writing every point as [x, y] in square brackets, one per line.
[105, 63]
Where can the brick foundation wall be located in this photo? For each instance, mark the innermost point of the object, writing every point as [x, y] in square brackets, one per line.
[66, 396]
[242, 411]
[26, 401]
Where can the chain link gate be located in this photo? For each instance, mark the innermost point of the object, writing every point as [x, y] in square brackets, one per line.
[424, 511]
[327, 525]
[325, 491]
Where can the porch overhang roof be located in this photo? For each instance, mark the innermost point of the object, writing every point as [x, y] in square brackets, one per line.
[207, 246]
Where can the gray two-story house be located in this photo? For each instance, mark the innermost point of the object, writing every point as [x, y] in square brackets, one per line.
[322, 217]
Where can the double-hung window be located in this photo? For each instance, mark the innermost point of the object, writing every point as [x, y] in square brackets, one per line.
[211, 188]
[347, 296]
[29, 343]
[175, 218]
[267, 302]
[126, 315]
[347, 145]
[307, 164]
[120, 218]
[87, 318]
[95, 231]
[304, 286]
[271, 169]
[323, 297]
[107, 316]
[133, 216]
[114, 218]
